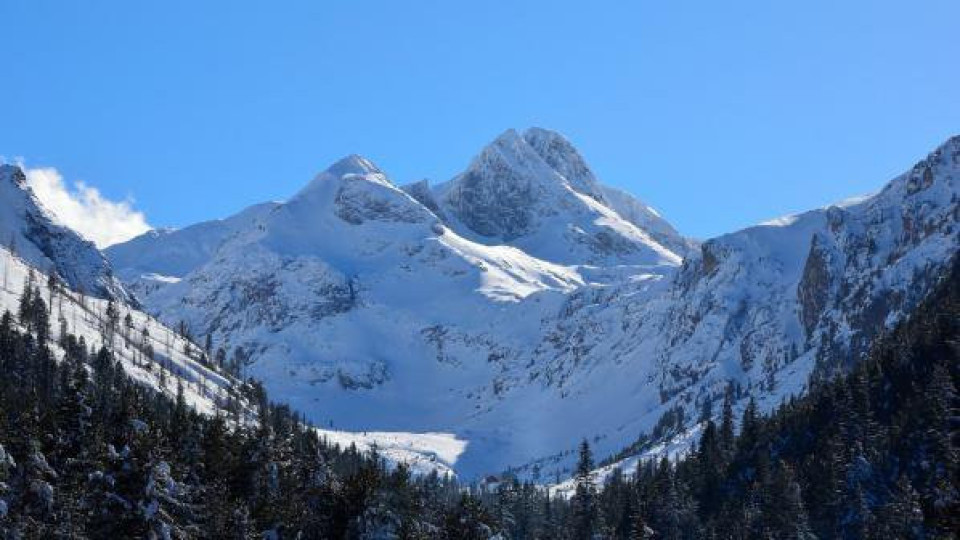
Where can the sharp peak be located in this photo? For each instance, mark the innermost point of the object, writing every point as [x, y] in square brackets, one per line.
[14, 173]
[533, 132]
[536, 139]
[352, 164]
[509, 137]
[542, 152]
[510, 147]
[952, 142]
[552, 151]
[530, 134]
[352, 167]
[553, 147]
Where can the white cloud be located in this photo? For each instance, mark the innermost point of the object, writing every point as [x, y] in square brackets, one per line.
[85, 210]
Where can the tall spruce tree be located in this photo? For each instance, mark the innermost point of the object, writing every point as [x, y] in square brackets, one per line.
[584, 497]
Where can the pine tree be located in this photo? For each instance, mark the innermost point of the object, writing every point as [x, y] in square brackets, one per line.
[584, 497]
[784, 513]
[710, 468]
[468, 521]
[902, 516]
[25, 309]
[639, 529]
[726, 434]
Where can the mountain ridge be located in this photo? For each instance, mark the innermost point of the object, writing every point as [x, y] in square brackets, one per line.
[33, 232]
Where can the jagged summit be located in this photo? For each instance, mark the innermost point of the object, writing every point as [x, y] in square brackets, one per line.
[13, 174]
[540, 154]
[34, 234]
[535, 192]
[353, 164]
[353, 169]
[495, 196]
[513, 157]
[560, 154]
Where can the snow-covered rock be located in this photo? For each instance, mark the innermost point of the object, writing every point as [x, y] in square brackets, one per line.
[33, 233]
[647, 219]
[175, 252]
[536, 193]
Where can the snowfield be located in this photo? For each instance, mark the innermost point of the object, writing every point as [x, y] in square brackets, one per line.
[424, 453]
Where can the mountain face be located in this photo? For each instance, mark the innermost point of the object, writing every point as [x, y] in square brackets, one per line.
[765, 309]
[648, 220]
[353, 288]
[536, 193]
[522, 305]
[33, 233]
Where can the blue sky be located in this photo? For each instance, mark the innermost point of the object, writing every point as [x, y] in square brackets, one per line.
[719, 114]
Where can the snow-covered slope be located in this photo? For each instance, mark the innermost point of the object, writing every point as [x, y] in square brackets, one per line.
[645, 218]
[146, 350]
[175, 252]
[536, 193]
[32, 232]
[520, 306]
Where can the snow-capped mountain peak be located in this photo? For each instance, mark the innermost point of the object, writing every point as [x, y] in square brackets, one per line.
[560, 154]
[495, 196]
[355, 191]
[535, 192]
[13, 174]
[353, 164]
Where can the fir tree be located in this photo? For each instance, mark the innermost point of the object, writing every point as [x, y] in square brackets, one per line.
[584, 497]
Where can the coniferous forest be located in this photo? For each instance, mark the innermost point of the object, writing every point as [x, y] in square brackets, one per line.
[85, 452]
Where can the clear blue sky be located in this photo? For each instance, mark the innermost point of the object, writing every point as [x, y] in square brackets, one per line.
[720, 114]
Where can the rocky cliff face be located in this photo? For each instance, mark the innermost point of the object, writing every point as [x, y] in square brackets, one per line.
[32, 232]
[814, 289]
